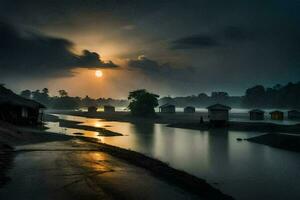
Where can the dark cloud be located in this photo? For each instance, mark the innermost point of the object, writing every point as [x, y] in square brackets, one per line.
[235, 33]
[231, 44]
[164, 72]
[30, 53]
[227, 35]
[196, 41]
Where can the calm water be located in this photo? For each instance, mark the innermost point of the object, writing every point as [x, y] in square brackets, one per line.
[242, 169]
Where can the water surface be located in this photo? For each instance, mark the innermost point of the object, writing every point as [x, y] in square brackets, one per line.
[242, 169]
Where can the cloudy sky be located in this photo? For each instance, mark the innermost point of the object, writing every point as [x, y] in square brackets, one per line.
[170, 47]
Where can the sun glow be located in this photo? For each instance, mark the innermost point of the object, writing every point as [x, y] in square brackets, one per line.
[98, 73]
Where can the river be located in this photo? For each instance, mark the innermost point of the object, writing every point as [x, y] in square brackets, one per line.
[242, 169]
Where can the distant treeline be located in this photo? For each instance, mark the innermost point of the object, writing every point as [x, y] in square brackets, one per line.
[64, 101]
[203, 100]
[286, 96]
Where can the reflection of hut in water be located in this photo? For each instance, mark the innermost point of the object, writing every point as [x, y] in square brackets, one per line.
[18, 110]
[218, 114]
[109, 109]
[189, 109]
[276, 115]
[257, 114]
[167, 108]
[294, 114]
[92, 109]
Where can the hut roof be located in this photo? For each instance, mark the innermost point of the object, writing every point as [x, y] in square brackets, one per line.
[9, 97]
[256, 111]
[276, 111]
[167, 105]
[187, 107]
[218, 107]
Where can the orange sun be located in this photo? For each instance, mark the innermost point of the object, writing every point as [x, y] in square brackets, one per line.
[98, 73]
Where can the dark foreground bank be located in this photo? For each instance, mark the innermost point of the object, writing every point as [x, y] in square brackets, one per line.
[243, 126]
[162, 170]
[282, 141]
[6, 158]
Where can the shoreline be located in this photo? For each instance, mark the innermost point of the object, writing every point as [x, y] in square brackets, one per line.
[6, 161]
[162, 170]
[280, 141]
[78, 125]
[242, 126]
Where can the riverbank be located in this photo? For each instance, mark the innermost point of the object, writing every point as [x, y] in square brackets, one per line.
[36, 141]
[6, 158]
[161, 118]
[79, 125]
[243, 126]
[282, 141]
[162, 170]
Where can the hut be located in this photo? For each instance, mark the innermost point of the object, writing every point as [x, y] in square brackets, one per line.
[109, 109]
[276, 115]
[293, 114]
[257, 114]
[18, 110]
[218, 114]
[167, 108]
[189, 109]
[92, 109]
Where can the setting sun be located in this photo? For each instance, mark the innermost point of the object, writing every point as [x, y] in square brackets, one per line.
[98, 73]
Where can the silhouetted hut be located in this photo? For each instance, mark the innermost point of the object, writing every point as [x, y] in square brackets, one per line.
[294, 114]
[167, 108]
[189, 109]
[18, 110]
[109, 109]
[218, 114]
[92, 109]
[276, 115]
[257, 114]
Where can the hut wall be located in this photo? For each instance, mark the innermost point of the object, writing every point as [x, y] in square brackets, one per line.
[218, 115]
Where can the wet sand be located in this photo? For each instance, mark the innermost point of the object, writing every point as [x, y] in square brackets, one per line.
[282, 141]
[78, 125]
[77, 170]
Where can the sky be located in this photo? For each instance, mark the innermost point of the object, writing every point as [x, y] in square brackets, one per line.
[168, 47]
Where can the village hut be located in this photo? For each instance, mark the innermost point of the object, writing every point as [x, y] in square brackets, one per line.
[167, 108]
[218, 114]
[109, 109]
[92, 109]
[277, 115]
[18, 110]
[189, 109]
[257, 114]
[293, 114]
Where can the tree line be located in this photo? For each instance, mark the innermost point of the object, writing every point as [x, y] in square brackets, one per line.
[278, 96]
[64, 101]
[259, 96]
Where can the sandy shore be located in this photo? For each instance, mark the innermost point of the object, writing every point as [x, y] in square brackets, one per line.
[282, 141]
[162, 118]
[78, 125]
[66, 151]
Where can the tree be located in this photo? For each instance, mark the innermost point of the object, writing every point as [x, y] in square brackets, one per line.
[46, 91]
[63, 93]
[142, 103]
[26, 94]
